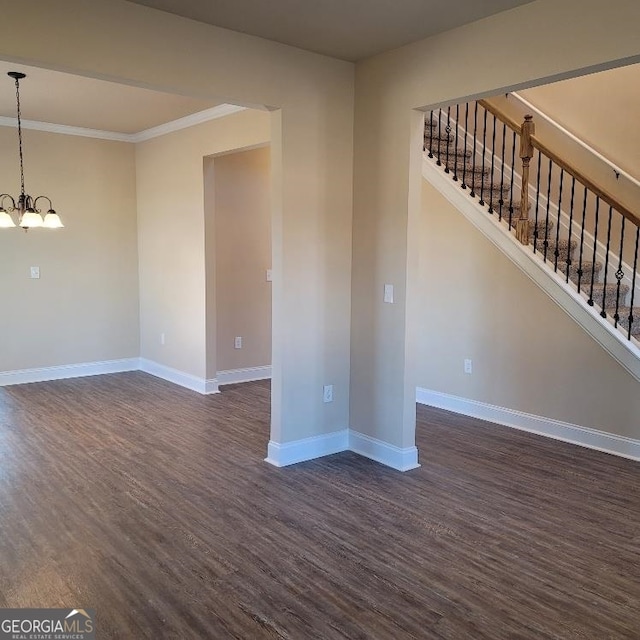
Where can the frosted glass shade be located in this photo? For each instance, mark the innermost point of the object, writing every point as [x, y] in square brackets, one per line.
[31, 219]
[6, 221]
[52, 220]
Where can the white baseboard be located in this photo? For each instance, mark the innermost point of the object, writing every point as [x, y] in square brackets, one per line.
[282, 455]
[201, 385]
[62, 372]
[234, 376]
[565, 431]
[383, 452]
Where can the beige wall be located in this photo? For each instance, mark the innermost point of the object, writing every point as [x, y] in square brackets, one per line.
[84, 307]
[475, 303]
[315, 291]
[171, 228]
[483, 58]
[311, 98]
[237, 201]
[601, 109]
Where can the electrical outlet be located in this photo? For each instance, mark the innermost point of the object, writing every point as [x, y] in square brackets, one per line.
[327, 393]
[269, 275]
[162, 339]
[237, 343]
[468, 366]
[34, 273]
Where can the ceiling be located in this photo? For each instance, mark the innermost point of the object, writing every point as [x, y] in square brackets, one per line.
[345, 29]
[325, 26]
[62, 98]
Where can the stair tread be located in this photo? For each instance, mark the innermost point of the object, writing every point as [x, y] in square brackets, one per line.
[611, 286]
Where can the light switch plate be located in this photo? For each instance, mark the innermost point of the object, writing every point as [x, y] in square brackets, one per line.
[388, 293]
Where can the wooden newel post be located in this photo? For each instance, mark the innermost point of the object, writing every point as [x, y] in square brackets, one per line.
[526, 153]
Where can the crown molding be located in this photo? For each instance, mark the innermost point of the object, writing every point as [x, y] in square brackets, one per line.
[220, 111]
[66, 130]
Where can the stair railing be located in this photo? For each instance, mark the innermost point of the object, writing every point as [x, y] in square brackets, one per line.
[578, 228]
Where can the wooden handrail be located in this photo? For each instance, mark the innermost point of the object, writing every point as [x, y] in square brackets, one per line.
[503, 117]
[603, 194]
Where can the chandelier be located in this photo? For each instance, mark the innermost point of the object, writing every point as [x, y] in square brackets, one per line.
[25, 207]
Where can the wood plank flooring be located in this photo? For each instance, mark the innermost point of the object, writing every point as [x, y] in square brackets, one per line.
[153, 505]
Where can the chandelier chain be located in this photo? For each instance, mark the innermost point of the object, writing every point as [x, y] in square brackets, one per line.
[20, 136]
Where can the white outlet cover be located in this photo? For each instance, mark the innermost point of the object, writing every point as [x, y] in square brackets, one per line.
[35, 273]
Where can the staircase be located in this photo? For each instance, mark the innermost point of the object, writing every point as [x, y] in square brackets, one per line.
[580, 232]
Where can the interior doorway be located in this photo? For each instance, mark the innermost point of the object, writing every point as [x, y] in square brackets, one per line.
[238, 232]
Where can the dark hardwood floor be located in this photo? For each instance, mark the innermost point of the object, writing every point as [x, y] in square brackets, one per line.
[153, 505]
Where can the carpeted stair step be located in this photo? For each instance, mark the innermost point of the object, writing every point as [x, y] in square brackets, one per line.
[612, 288]
[565, 248]
[540, 228]
[490, 191]
[623, 317]
[587, 265]
[465, 166]
[454, 154]
[435, 135]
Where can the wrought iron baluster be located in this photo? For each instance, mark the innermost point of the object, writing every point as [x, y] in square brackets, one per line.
[475, 142]
[464, 146]
[584, 215]
[573, 193]
[633, 283]
[557, 251]
[619, 272]
[448, 132]
[603, 312]
[513, 173]
[501, 201]
[438, 162]
[536, 231]
[493, 164]
[595, 246]
[484, 155]
[455, 149]
[546, 223]
[431, 134]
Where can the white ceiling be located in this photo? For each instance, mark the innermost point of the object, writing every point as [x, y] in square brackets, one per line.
[346, 29]
[62, 98]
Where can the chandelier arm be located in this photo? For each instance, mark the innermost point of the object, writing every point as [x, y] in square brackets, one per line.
[3, 197]
[35, 203]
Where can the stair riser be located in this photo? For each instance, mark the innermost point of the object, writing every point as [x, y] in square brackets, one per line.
[564, 252]
[467, 169]
[610, 298]
[585, 279]
[459, 155]
[488, 192]
[444, 140]
[624, 319]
